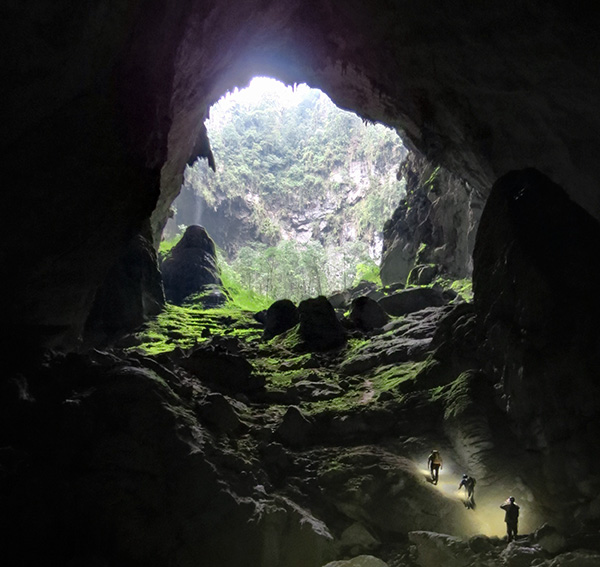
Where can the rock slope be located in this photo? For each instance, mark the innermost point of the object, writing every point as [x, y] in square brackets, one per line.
[240, 450]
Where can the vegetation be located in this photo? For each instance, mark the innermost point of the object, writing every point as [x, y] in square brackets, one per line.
[297, 271]
[262, 274]
[186, 326]
[290, 152]
[299, 165]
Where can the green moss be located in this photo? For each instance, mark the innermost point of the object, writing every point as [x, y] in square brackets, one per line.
[188, 325]
[457, 397]
[290, 340]
[167, 245]
[422, 254]
[347, 402]
[464, 288]
[355, 347]
[430, 183]
[389, 377]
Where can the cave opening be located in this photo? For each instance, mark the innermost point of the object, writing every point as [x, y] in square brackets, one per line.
[300, 191]
[167, 455]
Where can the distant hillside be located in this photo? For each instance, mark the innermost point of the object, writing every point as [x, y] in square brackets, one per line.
[291, 166]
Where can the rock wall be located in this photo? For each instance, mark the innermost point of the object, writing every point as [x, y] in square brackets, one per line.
[131, 293]
[536, 298]
[435, 224]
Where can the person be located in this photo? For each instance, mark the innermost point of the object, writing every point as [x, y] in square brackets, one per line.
[435, 463]
[469, 483]
[511, 517]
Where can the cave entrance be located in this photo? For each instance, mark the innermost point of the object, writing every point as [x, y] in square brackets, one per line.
[300, 193]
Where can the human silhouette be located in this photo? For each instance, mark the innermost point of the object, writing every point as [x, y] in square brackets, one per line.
[511, 517]
[435, 463]
[469, 483]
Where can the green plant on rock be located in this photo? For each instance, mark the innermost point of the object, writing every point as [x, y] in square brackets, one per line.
[188, 325]
[389, 377]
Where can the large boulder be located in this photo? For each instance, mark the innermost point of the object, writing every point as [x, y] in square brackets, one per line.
[440, 549]
[422, 274]
[280, 316]
[359, 561]
[320, 329]
[191, 268]
[295, 428]
[223, 370]
[367, 314]
[217, 410]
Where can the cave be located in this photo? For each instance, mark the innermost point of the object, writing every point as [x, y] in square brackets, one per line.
[105, 105]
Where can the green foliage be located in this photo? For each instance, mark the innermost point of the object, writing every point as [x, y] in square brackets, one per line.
[367, 271]
[296, 271]
[167, 245]
[240, 296]
[287, 152]
[389, 377]
[464, 287]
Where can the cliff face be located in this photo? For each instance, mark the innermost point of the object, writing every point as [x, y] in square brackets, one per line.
[537, 305]
[435, 224]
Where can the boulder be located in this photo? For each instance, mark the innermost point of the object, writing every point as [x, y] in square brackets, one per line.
[223, 370]
[360, 561]
[435, 549]
[422, 274]
[280, 316]
[517, 555]
[320, 329]
[315, 390]
[411, 300]
[549, 539]
[340, 299]
[367, 314]
[358, 539]
[217, 410]
[294, 429]
[480, 544]
[191, 268]
[343, 299]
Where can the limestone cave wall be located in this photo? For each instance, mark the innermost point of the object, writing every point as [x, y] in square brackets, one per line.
[435, 224]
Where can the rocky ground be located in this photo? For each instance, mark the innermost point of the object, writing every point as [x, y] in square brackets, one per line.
[236, 450]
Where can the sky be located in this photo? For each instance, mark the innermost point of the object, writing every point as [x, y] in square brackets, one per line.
[258, 88]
